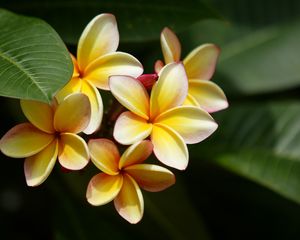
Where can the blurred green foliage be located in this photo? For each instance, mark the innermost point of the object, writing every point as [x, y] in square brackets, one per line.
[242, 183]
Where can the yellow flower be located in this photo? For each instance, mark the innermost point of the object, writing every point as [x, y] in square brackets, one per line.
[123, 176]
[97, 59]
[51, 132]
[199, 65]
[162, 116]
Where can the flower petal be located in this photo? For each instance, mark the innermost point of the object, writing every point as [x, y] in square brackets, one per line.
[39, 166]
[116, 63]
[103, 188]
[73, 86]
[96, 106]
[24, 140]
[201, 62]
[130, 128]
[73, 114]
[169, 147]
[170, 46]
[76, 71]
[208, 95]
[129, 202]
[158, 66]
[170, 90]
[190, 100]
[100, 37]
[131, 94]
[151, 177]
[105, 155]
[136, 153]
[39, 114]
[192, 123]
[73, 151]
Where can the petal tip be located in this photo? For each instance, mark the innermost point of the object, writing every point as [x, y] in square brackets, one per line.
[166, 29]
[32, 183]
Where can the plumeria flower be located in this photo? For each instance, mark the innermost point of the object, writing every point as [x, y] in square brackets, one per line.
[97, 59]
[51, 133]
[199, 65]
[123, 176]
[161, 116]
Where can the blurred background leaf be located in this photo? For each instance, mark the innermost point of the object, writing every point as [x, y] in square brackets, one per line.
[261, 143]
[34, 62]
[253, 61]
[258, 13]
[138, 20]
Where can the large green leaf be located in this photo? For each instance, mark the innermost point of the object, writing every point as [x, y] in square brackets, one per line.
[251, 61]
[138, 20]
[34, 62]
[260, 142]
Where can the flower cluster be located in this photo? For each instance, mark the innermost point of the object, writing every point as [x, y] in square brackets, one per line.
[163, 112]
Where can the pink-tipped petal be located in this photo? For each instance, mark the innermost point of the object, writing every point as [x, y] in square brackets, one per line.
[136, 153]
[130, 128]
[169, 147]
[131, 94]
[103, 188]
[39, 114]
[151, 177]
[158, 66]
[39, 166]
[192, 123]
[73, 151]
[24, 140]
[96, 106]
[201, 62]
[170, 90]
[170, 46]
[129, 202]
[100, 36]
[73, 86]
[116, 63]
[105, 155]
[208, 95]
[73, 114]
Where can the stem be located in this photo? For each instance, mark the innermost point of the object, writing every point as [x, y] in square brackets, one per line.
[108, 121]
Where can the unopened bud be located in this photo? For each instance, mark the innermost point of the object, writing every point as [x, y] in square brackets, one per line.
[148, 80]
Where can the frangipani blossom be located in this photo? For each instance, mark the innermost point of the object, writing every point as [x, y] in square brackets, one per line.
[161, 116]
[97, 59]
[123, 176]
[199, 65]
[51, 133]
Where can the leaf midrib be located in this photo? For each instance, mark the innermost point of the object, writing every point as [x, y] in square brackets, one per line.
[10, 60]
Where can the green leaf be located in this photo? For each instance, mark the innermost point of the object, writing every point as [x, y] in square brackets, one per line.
[34, 62]
[251, 61]
[260, 142]
[138, 20]
[263, 61]
[256, 13]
